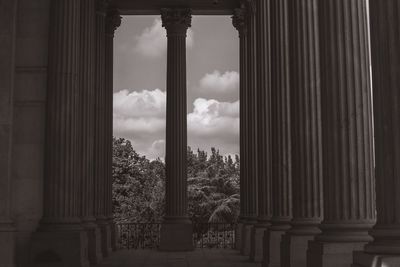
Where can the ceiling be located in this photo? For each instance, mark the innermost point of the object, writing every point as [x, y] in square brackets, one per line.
[199, 7]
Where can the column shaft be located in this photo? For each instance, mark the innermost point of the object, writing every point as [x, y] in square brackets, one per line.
[100, 137]
[385, 37]
[62, 183]
[239, 22]
[251, 134]
[385, 26]
[305, 97]
[349, 208]
[113, 21]
[281, 139]
[263, 97]
[176, 231]
[86, 127]
[60, 229]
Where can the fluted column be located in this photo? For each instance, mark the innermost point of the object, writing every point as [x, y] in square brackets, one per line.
[100, 136]
[86, 142]
[8, 31]
[240, 23]
[113, 21]
[60, 229]
[349, 208]
[281, 139]
[264, 152]
[251, 117]
[305, 91]
[176, 231]
[385, 39]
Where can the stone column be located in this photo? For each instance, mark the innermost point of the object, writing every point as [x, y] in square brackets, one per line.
[240, 23]
[7, 67]
[251, 118]
[113, 21]
[281, 139]
[86, 148]
[349, 206]
[100, 139]
[176, 230]
[305, 97]
[385, 39]
[263, 96]
[60, 239]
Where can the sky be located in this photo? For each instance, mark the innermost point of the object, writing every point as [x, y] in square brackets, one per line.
[213, 84]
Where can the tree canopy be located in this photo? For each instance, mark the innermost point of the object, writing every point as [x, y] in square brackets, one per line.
[139, 185]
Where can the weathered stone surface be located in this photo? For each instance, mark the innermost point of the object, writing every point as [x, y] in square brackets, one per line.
[349, 208]
[385, 38]
[305, 92]
[281, 135]
[176, 222]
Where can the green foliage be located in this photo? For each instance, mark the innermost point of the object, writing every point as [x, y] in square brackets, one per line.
[139, 186]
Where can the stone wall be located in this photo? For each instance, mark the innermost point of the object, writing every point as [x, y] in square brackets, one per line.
[29, 120]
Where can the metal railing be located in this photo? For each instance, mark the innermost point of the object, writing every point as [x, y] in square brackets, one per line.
[138, 235]
[147, 235]
[214, 235]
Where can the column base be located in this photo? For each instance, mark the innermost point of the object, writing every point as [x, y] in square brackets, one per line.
[272, 247]
[257, 243]
[246, 239]
[332, 254]
[238, 236]
[294, 250]
[105, 232]
[59, 249]
[113, 233]
[7, 245]
[94, 243]
[176, 236]
[363, 259]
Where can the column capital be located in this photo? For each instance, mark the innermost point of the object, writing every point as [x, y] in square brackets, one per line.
[176, 20]
[113, 21]
[239, 20]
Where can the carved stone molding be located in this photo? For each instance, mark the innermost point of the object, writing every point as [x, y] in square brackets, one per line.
[176, 20]
[239, 20]
[113, 21]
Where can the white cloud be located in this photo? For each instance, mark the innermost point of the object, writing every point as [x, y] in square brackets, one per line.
[152, 42]
[219, 83]
[140, 104]
[140, 117]
[214, 119]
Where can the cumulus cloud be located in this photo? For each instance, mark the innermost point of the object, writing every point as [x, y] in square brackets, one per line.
[214, 121]
[220, 83]
[140, 117]
[152, 42]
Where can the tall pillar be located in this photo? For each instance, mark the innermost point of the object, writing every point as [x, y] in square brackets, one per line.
[86, 100]
[305, 92]
[348, 180]
[281, 139]
[240, 23]
[385, 39]
[251, 118]
[263, 96]
[60, 238]
[100, 135]
[7, 66]
[176, 230]
[113, 21]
